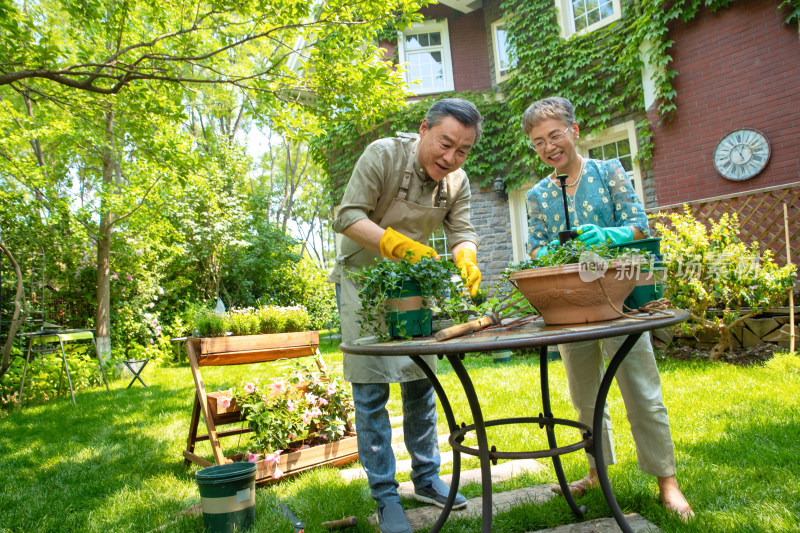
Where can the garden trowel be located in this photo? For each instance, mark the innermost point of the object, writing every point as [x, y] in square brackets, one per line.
[491, 318]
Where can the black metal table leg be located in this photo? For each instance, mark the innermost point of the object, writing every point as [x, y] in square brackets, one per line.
[451, 423]
[597, 428]
[551, 435]
[483, 443]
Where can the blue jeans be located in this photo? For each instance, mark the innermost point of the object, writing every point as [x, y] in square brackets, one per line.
[375, 436]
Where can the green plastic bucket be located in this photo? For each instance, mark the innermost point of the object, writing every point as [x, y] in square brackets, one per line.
[407, 313]
[501, 356]
[228, 496]
[645, 293]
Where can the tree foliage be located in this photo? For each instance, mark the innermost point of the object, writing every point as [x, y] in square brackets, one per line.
[124, 128]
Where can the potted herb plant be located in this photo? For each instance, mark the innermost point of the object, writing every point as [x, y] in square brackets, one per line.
[398, 297]
[577, 283]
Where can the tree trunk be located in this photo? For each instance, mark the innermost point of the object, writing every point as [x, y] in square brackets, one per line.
[19, 310]
[103, 319]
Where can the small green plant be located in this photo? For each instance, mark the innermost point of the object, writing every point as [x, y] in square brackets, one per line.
[570, 252]
[440, 282]
[209, 324]
[251, 321]
[711, 268]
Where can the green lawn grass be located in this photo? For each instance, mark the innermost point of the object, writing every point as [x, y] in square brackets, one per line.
[114, 462]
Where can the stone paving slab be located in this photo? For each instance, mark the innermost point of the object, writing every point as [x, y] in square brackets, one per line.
[501, 472]
[422, 517]
[638, 523]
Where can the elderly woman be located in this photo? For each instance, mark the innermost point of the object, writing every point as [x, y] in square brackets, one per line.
[604, 207]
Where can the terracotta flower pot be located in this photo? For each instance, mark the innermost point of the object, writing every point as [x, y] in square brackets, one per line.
[562, 297]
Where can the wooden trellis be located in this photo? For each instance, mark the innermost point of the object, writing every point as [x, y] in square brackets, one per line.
[760, 215]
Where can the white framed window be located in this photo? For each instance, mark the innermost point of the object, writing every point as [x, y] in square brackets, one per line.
[617, 142]
[585, 16]
[425, 49]
[504, 59]
[438, 242]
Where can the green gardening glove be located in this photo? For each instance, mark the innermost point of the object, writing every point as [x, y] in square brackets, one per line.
[591, 234]
[547, 248]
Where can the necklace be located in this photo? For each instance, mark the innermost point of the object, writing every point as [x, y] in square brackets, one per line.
[571, 197]
[577, 180]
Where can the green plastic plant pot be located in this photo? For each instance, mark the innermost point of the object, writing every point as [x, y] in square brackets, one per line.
[407, 312]
[228, 496]
[644, 293]
[502, 356]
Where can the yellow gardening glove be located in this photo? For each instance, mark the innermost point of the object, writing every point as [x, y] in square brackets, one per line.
[395, 245]
[468, 263]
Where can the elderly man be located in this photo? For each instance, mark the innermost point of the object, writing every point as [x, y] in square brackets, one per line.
[401, 190]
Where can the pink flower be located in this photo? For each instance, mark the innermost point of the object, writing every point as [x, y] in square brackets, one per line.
[252, 457]
[330, 389]
[114, 276]
[272, 459]
[128, 277]
[322, 401]
[249, 388]
[278, 388]
[306, 417]
[224, 402]
[315, 412]
[291, 406]
[311, 398]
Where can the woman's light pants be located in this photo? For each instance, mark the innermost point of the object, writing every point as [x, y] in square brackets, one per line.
[640, 385]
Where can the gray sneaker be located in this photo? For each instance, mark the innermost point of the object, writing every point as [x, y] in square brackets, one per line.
[436, 493]
[392, 519]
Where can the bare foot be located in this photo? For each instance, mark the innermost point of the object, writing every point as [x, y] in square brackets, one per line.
[578, 488]
[673, 499]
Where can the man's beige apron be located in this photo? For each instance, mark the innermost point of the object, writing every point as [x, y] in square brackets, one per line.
[415, 222]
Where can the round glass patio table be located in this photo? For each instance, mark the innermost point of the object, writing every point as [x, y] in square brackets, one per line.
[530, 335]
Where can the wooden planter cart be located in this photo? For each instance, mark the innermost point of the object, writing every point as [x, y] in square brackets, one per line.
[241, 350]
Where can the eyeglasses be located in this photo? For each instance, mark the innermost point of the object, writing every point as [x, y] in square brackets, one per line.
[553, 139]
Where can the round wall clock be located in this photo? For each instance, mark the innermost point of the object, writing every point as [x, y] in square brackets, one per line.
[741, 154]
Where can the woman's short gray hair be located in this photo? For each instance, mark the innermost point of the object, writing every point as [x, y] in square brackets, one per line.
[462, 110]
[555, 107]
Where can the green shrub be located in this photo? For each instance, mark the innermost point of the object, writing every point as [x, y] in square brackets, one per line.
[250, 321]
[297, 319]
[271, 320]
[712, 269]
[242, 321]
[209, 324]
[45, 375]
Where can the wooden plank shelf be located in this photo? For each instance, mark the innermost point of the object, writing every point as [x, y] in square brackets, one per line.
[250, 349]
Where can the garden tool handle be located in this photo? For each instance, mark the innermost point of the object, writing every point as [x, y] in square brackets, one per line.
[467, 327]
[350, 521]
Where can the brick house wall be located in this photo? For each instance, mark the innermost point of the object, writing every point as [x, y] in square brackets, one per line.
[471, 69]
[739, 67]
